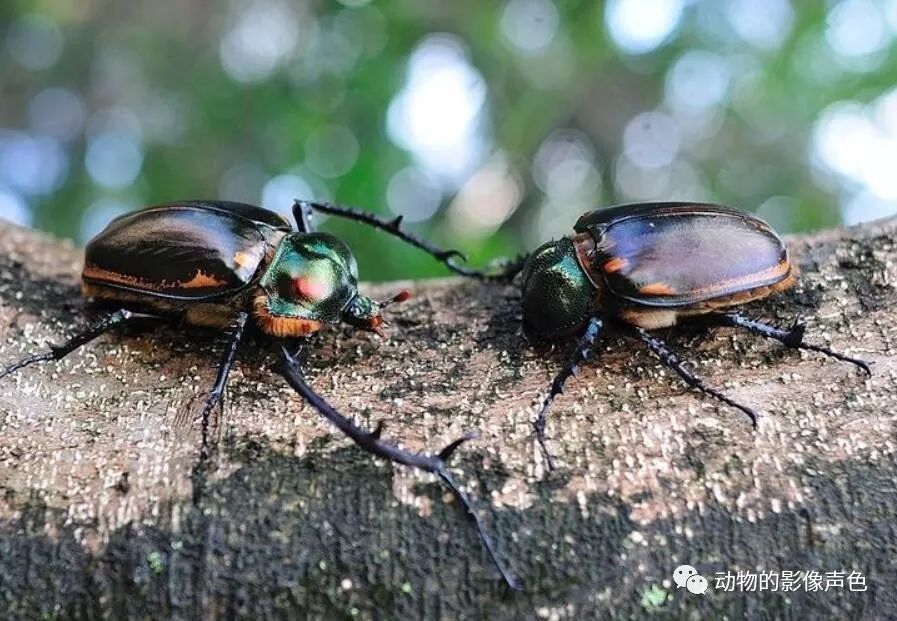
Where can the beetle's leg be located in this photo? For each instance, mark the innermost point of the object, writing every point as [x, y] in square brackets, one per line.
[57, 352]
[579, 355]
[793, 337]
[394, 227]
[371, 442]
[224, 367]
[302, 215]
[670, 359]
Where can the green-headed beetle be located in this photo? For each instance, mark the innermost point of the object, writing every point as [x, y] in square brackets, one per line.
[641, 266]
[224, 265]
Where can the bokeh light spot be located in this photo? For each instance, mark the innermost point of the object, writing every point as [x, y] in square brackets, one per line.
[35, 41]
[13, 208]
[436, 115]
[264, 34]
[565, 165]
[57, 112]
[279, 193]
[856, 30]
[698, 80]
[640, 26]
[651, 140]
[765, 24]
[413, 194]
[485, 201]
[114, 159]
[32, 164]
[98, 215]
[331, 151]
[529, 25]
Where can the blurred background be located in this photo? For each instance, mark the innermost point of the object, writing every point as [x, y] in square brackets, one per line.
[489, 125]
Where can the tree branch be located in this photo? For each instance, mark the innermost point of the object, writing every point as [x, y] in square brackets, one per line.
[96, 452]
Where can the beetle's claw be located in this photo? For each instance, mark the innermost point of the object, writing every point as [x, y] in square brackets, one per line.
[378, 431]
[447, 452]
[796, 333]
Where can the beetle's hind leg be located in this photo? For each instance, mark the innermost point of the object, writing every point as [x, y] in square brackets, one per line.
[448, 258]
[670, 359]
[792, 337]
[58, 352]
[580, 354]
[371, 442]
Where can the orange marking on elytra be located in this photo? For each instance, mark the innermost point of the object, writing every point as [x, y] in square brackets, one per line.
[656, 288]
[201, 280]
[615, 265]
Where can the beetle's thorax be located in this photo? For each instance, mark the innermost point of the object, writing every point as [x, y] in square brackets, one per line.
[311, 279]
[558, 293]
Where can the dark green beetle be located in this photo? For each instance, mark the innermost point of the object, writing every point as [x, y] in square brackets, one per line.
[642, 267]
[218, 264]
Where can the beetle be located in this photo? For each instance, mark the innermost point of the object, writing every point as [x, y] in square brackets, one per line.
[640, 267]
[232, 266]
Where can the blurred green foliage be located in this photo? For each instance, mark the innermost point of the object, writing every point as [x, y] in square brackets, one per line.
[204, 129]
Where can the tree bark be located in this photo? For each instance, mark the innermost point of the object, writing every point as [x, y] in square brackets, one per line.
[100, 517]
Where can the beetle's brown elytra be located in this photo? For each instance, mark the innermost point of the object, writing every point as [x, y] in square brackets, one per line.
[642, 267]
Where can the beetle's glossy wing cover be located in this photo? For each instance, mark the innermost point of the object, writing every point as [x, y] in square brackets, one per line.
[677, 254]
[190, 250]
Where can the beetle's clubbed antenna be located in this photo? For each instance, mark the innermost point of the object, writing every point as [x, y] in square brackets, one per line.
[581, 354]
[58, 352]
[394, 227]
[793, 337]
[401, 296]
[371, 442]
[670, 359]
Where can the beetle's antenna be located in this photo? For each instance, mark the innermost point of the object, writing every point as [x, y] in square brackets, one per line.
[793, 337]
[580, 354]
[57, 352]
[448, 258]
[371, 442]
[670, 359]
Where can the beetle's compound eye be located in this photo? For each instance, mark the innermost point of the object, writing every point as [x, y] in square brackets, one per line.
[557, 295]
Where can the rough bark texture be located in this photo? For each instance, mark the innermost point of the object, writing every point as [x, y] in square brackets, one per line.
[98, 516]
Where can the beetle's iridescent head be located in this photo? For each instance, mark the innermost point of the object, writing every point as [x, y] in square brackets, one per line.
[313, 280]
[558, 296]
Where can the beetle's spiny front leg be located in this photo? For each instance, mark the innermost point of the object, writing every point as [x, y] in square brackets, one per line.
[580, 354]
[662, 351]
[394, 227]
[58, 352]
[793, 337]
[371, 442]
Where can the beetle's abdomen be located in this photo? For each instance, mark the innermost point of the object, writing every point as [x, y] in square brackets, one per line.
[677, 256]
[185, 251]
